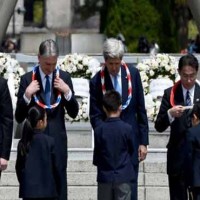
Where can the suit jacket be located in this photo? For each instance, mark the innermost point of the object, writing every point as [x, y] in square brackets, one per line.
[113, 151]
[55, 117]
[6, 120]
[37, 177]
[134, 114]
[193, 155]
[176, 145]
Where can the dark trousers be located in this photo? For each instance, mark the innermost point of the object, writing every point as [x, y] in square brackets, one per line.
[114, 191]
[63, 185]
[177, 187]
[134, 185]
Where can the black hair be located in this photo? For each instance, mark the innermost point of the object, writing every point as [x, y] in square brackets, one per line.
[112, 101]
[35, 114]
[189, 60]
[48, 48]
[196, 110]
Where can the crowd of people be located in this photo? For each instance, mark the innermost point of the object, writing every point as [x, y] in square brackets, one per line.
[118, 118]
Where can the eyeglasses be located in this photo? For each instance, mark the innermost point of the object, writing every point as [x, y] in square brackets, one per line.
[189, 76]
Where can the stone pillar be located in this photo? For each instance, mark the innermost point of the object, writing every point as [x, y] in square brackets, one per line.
[6, 10]
[58, 14]
[195, 9]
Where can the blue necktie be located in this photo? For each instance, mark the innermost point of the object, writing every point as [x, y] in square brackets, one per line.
[188, 99]
[116, 84]
[47, 91]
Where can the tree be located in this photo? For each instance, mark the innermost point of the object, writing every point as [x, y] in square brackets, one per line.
[166, 21]
[133, 19]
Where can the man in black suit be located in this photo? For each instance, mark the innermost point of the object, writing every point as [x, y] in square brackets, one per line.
[130, 87]
[6, 124]
[193, 154]
[174, 114]
[51, 88]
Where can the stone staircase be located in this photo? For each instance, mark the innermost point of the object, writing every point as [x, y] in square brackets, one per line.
[153, 182]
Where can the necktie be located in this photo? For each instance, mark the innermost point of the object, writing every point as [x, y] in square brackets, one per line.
[47, 90]
[116, 84]
[188, 99]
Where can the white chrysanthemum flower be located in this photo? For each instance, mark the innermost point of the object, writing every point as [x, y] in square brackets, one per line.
[11, 70]
[151, 72]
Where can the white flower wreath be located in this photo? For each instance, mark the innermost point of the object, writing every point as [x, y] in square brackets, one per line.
[11, 70]
[80, 66]
[156, 67]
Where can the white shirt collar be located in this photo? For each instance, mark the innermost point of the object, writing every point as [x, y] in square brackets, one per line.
[42, 75]
[191, 90]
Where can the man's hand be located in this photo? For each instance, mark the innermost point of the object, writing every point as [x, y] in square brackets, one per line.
[61, 85]
[142, 152]
[32, 89]
[176, 111]
[3, 164]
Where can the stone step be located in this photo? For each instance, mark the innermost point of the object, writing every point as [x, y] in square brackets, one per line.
[80, 136]
[152, 180]
[90, 193]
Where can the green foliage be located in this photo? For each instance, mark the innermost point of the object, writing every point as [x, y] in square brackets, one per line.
[192, 30]
[133, 19]
[38, 12]
[168, 34]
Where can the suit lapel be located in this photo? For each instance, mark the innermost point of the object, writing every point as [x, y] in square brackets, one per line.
[54, 92]
[196, 94]
[40, 93]
[108, 81]
[124, 85]
[179, 99]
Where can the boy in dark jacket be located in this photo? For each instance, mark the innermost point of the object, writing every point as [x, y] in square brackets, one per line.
[113, 150]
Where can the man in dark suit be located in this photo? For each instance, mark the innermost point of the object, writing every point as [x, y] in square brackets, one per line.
[6, 124]
[174, 114]
[193, 154]
[51, 88]
[126, 80]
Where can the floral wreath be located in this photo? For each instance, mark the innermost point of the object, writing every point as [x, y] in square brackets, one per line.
[173, 90]
[35, 97]
[11, 70]
[129, 83]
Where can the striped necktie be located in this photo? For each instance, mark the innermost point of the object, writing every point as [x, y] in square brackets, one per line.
[188, 99]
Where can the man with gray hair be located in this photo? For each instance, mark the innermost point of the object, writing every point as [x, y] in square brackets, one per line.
[116, 74]
[52, 89]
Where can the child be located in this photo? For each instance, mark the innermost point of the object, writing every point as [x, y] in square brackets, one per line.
[113, 150]
[35, 165]
[193, 154]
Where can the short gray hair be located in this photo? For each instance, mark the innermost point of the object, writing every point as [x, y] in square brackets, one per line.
[48, 48]
[113, 48]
